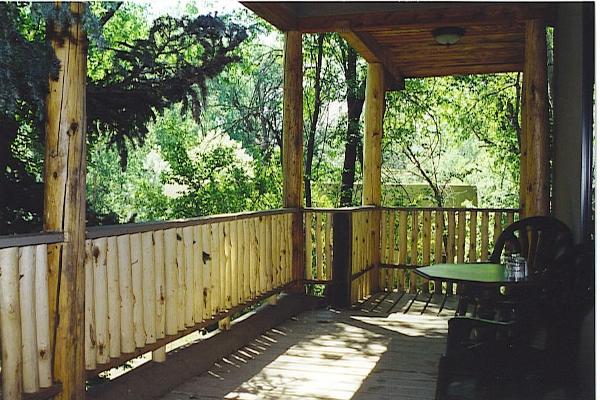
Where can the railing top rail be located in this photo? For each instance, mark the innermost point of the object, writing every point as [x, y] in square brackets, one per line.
[125, 229]
[341, 209]
[31, 239]
[450, 209]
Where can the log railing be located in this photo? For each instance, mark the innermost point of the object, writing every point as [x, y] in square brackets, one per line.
[354, 234]
[149, 284]
[318, 232]
[412, 237]
[24, 314]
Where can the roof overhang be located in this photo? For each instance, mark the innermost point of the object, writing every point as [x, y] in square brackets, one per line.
[399, 34]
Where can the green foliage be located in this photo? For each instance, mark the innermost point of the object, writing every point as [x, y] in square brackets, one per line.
[180, 172]
[185, 119]
[136, 69]
[433, 138]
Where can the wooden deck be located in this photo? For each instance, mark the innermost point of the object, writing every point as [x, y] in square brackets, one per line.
[373, 352]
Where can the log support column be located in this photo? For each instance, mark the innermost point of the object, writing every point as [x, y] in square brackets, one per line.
[292, 146]
[535, 138]
[374, 104]
[64, 202]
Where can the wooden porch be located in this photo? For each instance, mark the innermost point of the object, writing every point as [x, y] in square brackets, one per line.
[76, 302]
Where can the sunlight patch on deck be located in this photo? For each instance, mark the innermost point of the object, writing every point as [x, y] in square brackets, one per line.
[330, 363]
[409, 325]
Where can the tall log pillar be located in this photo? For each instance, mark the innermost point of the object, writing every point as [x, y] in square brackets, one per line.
[64, 201]
[292, 145]
[374, 103]
[535, 141]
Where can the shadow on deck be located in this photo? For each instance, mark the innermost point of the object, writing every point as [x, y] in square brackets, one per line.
[375, 351]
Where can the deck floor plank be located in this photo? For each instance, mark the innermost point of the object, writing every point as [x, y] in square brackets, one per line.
[374, 351]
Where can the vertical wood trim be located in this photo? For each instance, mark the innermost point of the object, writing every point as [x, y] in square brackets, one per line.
[262, 270]
[535, 120]
[426, 237]
[241, 260]
[402, 245]
[206, 273]
[319, 245]
[114, 301]
[510, 218]
[28, 325]
[159, 282]
[137, 286]
[64, 201]
[148, 289]
[226, 266]
[462, 229]
[221, 266]
[10, 324]
[439, 236]
[198, 276]
[485, 235]
[101, 299]
[450, 248]
[42, 315]
[497, 225]
[126, 294]
[234, 263]
[383, 248]
[188, 243]
[391, 237]
[308, 245]
[170, 244]
[252, 257]
[90, 325]
[473, 236]
[328, 246]
[180, 280]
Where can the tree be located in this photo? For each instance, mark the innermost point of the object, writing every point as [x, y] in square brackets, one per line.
[355, 98]
[131, 78]
[441, 141]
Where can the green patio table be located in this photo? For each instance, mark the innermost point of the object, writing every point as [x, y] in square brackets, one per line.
[488, 275]
[471, 273]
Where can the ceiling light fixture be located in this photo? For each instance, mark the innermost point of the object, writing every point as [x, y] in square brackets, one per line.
[448, 35]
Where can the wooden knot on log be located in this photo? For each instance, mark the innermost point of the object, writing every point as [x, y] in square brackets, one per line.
[73, 128]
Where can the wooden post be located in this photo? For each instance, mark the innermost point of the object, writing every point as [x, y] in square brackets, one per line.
[535, 138]
[64, 201]
[342, 260]
[374, 102]
[292, 145]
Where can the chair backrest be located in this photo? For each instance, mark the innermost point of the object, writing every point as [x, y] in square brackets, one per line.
[541, 240]
[573, 277]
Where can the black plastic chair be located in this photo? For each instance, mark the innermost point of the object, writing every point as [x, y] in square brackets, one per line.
[540, 239]
[492, 359]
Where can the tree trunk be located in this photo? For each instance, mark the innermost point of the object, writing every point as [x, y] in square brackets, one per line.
[310, 145]
[355, 98]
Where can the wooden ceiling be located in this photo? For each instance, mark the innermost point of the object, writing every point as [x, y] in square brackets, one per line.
[399, 34]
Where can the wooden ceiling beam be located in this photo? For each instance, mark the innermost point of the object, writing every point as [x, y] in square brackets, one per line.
[368, 48]
[464, 69]
[456, 14]
[281, 15]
